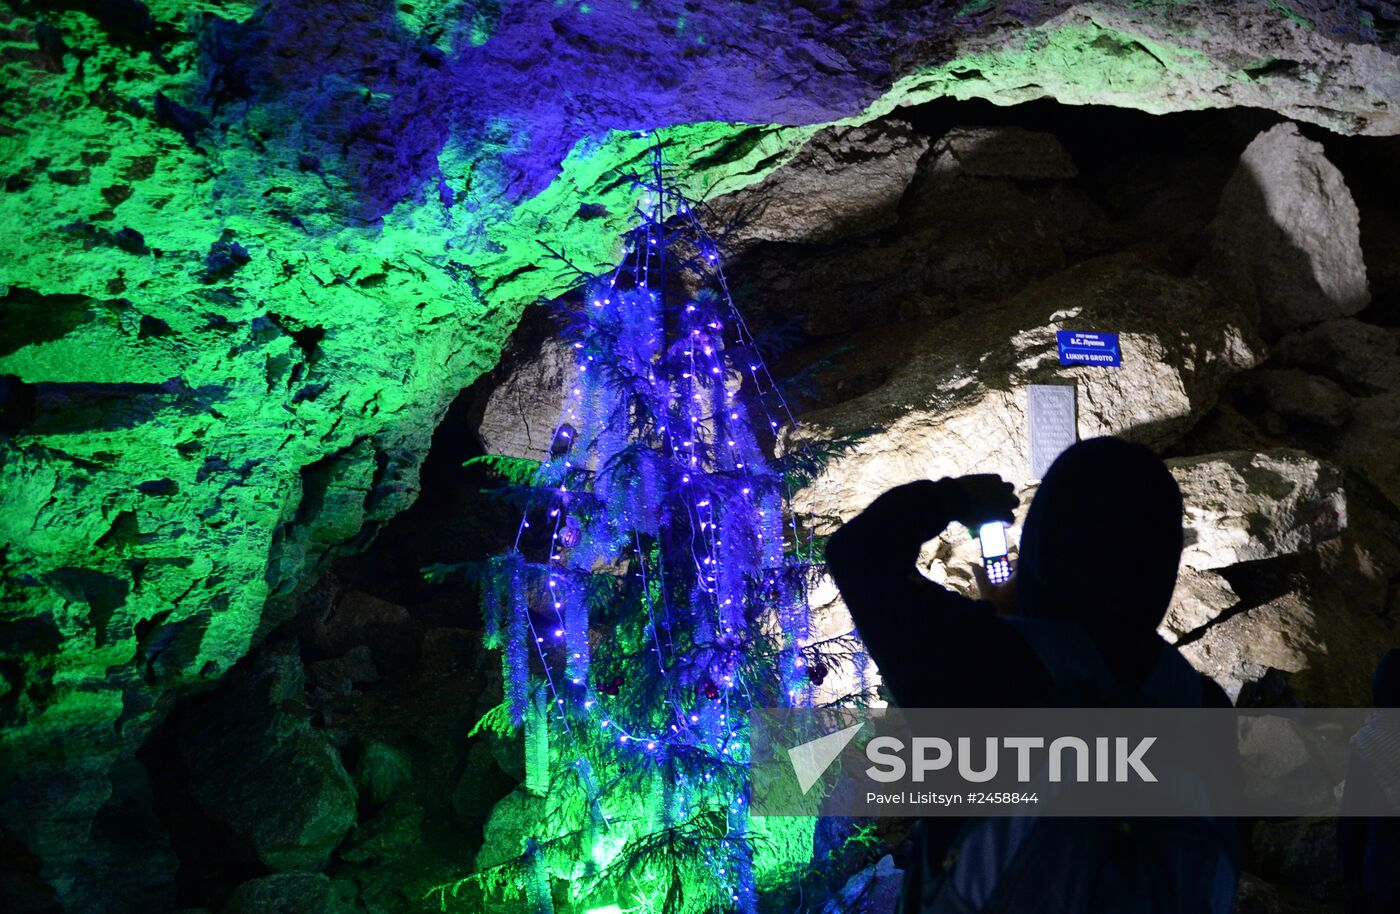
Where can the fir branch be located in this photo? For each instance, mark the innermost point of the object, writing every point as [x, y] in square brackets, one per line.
[517, 471]
[572, 269]
[776, 339]
[496, 720]
[526, 497]
[801, 466]
[805, 383]
[441, 573]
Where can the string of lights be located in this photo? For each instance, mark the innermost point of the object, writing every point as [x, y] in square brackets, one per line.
[657, 485]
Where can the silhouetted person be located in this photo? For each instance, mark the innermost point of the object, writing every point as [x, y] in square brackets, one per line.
[1370, 842]
[1076, 626]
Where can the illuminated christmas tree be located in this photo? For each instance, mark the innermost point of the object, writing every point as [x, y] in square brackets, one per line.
[656, 589]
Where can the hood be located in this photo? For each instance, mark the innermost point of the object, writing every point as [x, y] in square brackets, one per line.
[1102, 540]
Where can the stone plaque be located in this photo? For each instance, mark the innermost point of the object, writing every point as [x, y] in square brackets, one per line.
[1053, 424]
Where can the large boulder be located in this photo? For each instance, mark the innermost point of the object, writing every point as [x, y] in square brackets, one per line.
[844, 182]
[955, 399]
[382, 772]
[523, 411]
[1361, 356]
[281, 893]
[1002, 152]
[978, 218]
[1316, 631]
[349, 619]
[1371, 441]
[511, 823]
[1243, 506]
[387, 837]
[1287, 238]
[873, 890]
[1281, 634]
[1199, 599]
[258, 768]
[1296, 398]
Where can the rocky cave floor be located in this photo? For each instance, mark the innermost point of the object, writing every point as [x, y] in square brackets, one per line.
[333, 769]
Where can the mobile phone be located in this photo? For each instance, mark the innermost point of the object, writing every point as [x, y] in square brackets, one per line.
[994, 552]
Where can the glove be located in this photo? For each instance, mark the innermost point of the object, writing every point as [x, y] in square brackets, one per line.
[983, 498]
[920, 510]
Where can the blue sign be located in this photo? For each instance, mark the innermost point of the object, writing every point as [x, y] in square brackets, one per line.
[1078, 347]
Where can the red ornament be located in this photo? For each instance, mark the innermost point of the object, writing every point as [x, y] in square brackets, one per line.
[613, 686]
[708, 688]
[570, 532]
[817, 672]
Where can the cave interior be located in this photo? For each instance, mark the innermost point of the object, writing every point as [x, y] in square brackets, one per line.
[245, 379]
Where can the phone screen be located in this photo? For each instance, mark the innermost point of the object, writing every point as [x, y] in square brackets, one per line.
[993, 537]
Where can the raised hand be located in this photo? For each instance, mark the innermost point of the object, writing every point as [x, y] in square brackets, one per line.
[985, 497]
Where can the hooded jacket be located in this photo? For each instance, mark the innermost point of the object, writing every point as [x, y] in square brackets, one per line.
[1369, 842]
[1101, 545]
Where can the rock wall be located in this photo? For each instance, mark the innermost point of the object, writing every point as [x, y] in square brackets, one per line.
[934, 325]
[939, 394]
[255, 250]
[926, 322]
